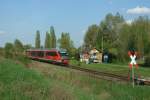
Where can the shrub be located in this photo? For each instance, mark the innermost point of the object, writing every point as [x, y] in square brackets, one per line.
[147, 60]
[23, 59]
[8, 50]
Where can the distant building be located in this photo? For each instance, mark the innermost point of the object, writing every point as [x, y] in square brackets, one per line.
[94, 56]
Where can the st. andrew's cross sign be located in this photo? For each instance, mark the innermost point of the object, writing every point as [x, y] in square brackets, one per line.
[133, 56]
[133, 62]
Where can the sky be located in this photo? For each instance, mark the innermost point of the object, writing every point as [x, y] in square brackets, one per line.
[20, 19]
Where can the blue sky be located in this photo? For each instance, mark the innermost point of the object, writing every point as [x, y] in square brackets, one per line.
[21, 18]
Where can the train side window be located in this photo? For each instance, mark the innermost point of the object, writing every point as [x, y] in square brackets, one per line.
[41, 54]
[33, 53]
[51, 54]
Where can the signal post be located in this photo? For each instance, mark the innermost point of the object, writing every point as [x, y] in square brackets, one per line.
[133, 56]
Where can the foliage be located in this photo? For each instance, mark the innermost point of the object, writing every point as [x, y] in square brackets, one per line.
[1, 52]
[27, 46]
[118, 37]
[23, 59]
[65, 42]
[90, 37]
[147, 60]
[50, 39]
[16, 51]
[37, 39]
[106, 34]
[47, 40]
[9, 49]
[53, 37]
[18, 47]
[135, 37]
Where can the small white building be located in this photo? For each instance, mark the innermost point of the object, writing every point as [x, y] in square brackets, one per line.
[95, 56]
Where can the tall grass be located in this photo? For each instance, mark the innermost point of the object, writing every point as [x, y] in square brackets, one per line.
[20, 83]
[48, 82]
[96, 89]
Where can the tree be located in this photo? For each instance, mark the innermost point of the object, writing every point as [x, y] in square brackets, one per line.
[135, 37]
[110, 28]
[90, 36]
[65, 42]
[124, 43]
[18, 46]
[115, 35]
[106, 34]
[53, 37]
[37, 39]
[1, 51]
[9, 49]
[99, 39]
[47, 40]
[27, 46]
[141, 31]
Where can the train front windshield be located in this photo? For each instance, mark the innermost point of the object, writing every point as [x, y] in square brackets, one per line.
[64, 54]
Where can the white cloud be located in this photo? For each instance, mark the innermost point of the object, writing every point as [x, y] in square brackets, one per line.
[139, 10]
[129, 22]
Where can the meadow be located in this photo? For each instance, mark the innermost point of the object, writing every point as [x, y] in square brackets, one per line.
[41, 81]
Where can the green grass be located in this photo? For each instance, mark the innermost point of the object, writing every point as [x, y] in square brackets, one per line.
[120, 69]
[20, 83]
[96, 89]
[42, 81]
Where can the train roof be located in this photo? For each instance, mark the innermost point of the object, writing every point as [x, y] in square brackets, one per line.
[46, 49]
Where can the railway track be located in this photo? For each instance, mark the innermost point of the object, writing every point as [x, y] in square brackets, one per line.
[108, 76]
[98, 74]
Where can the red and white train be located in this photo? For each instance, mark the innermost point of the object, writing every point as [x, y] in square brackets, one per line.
[53, 55]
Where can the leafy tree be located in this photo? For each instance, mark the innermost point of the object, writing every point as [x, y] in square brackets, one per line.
[110, 28]
[99, 39]
[53, 37]
[135, 37]
[9, 49]
[65, 42]
[141, 31]
[37, 39]
[124, 42]
[18, 46]
[1, 51]
[90, 36]
[27, 46]
[106, 34]
[47, 40]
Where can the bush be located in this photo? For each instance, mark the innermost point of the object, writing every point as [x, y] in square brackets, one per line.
[8, 50]
[147, 61]
[23, 59]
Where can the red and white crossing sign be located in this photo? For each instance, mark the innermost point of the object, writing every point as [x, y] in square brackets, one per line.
[133, 62]
[133, 56]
